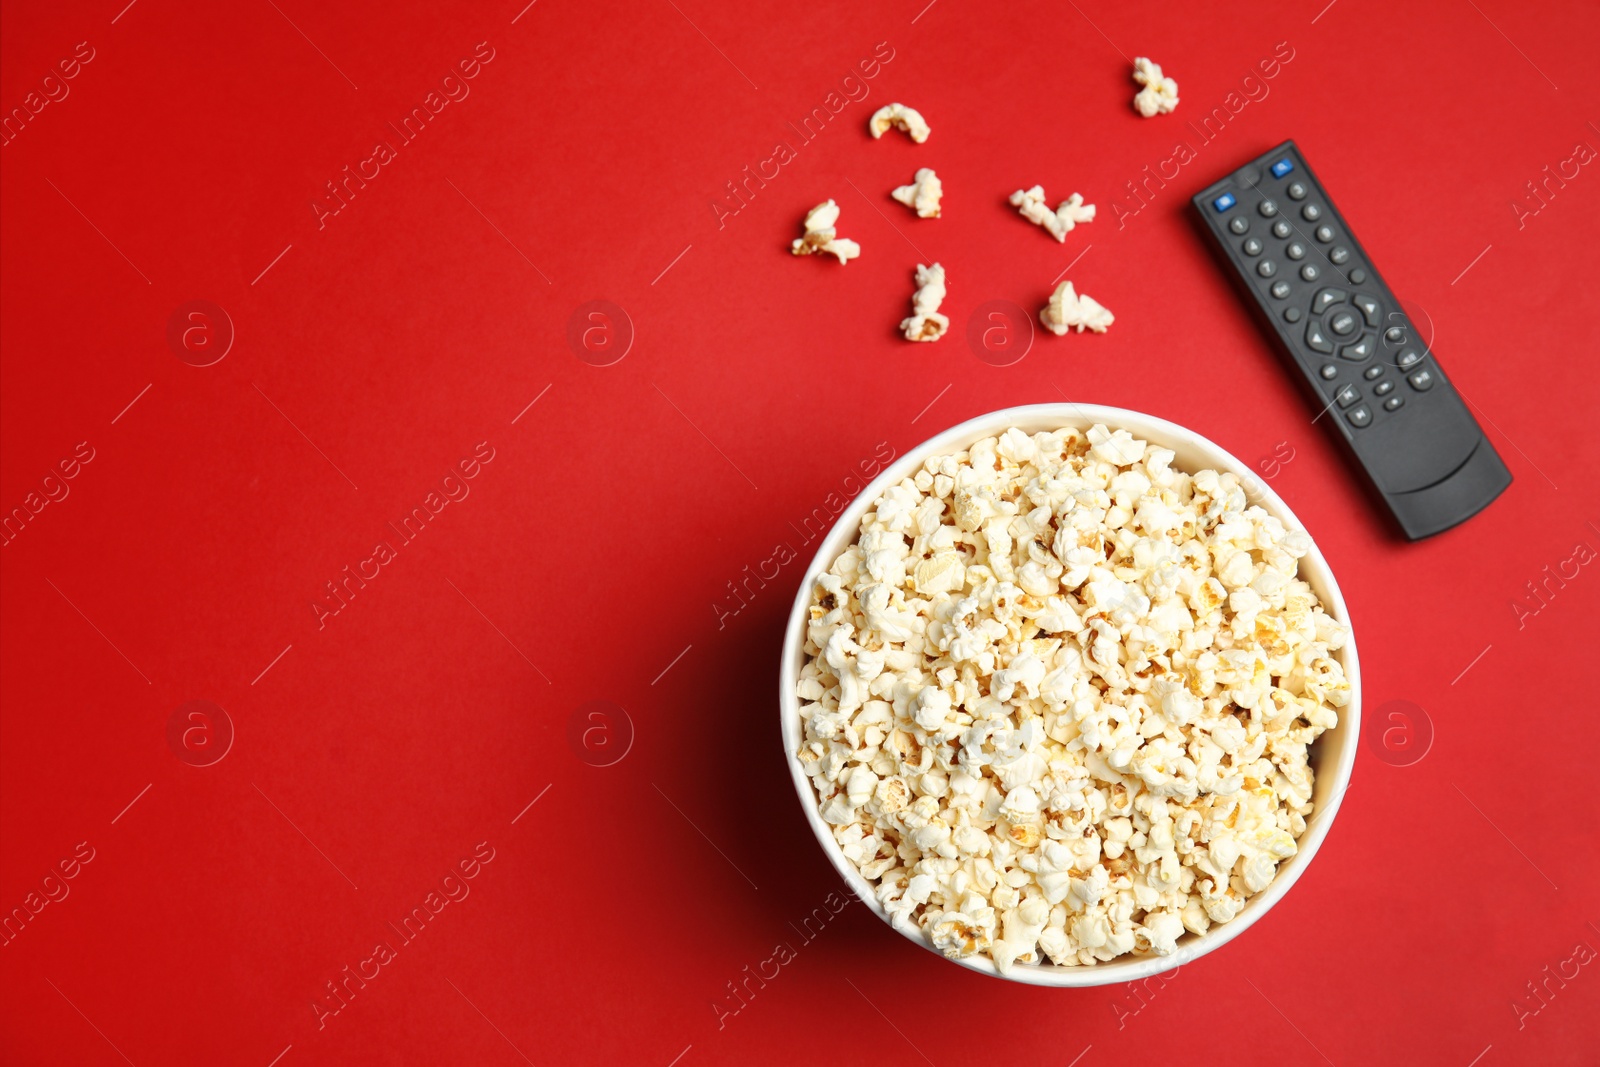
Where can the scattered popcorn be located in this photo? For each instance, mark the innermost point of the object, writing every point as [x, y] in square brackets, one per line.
[1068, 309]
[1030, 204]
[901, 118]
[1160, 93]
[822, 237]
[1060, 697]
[925, 323]
[924, 193]
[1073, 210]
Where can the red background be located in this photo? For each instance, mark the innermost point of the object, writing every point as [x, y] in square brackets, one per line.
[381, 749]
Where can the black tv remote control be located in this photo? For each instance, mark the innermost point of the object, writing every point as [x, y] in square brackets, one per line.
[1356, 349]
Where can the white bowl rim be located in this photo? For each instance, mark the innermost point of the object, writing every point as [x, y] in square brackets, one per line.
[1314, 570]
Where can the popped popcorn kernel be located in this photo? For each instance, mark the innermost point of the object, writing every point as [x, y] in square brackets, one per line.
[822, 237]
[1060, 698]
[900, 117]
[923, 194]
[1160, 93]
[925, 323]
[1031, 205]
[1068, 309]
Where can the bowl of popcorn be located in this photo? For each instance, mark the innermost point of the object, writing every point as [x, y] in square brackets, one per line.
[1068, 696]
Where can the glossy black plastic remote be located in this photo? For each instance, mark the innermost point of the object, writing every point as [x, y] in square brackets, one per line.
[1375, 379]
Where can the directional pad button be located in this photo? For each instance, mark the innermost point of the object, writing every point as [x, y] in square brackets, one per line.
[1359, 351]
[1368, 306]
[1326, 298]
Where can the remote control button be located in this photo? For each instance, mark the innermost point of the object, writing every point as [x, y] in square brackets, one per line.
[1358, 276]
[1393, 403]
[1224, 202]
[1422, 380]
[1359, 351]
[1266, 268]
[1252, 247]
[1311, 213]
[1310, 272]
[1297, 190]
[1315, 339]
[1268, 208]
[1369, 307]
[1395, 335]
[1296, 250]
[1347, 395]
[1282, 167]
[1408, 359]
[1281, 229]
[1280, 289]
[1329, 371]
[1343, 323]
[1383, 389]
[1326, 298]
[1374, 371]
[1324, 234]
[1339, 255]
[1291, 314]
[1359, 416]
[1239, 224]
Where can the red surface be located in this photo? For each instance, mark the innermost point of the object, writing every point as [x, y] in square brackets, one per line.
[384, 746]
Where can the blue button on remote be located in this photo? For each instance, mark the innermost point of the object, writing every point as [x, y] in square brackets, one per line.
[1224, 202]
[1282, 167]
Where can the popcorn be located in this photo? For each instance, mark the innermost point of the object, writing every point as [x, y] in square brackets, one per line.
[931, 706]
[901, 118]
[1020, 806]
[1030, 204]
[1067, 308]
[1060, 697]
[958, 934]
[923, 194]
[1160, 93]
[925, 323]
[821, 236]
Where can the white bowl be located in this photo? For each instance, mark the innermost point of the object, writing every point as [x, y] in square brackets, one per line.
[1333, 754]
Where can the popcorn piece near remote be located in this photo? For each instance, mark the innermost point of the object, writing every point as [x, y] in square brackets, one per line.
[1160, 93]
[925, 323]
[901, 118]
[1031, 205]
[1068, 308]
[924, 193]
[822, 237]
